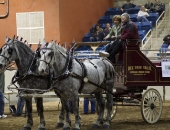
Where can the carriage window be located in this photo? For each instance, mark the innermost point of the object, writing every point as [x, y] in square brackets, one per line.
[30, 26]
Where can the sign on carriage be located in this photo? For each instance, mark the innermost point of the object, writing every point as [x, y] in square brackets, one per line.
[165, 68]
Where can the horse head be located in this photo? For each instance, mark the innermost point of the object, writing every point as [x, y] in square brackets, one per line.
[7, 53]
[47, 57]
[14, 50]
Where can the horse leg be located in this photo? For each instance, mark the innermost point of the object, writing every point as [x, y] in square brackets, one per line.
[75, 104]
[61, 116]
[40, 110]
[66, 108]
[37, 106]
[109, 104]
[101, 105]
[29, 110]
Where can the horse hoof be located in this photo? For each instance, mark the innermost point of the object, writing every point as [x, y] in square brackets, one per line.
[41, 129]
[59, 125]
[101, 122]
[70, 123]
[76, 129]
[26, 128]
[95, 126]
[106, 127]
[66, 128]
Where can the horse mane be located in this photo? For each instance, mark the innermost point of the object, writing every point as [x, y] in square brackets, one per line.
[21, 49]
[61, 48]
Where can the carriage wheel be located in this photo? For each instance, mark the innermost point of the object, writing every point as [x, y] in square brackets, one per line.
[151, 106]
[113, 112]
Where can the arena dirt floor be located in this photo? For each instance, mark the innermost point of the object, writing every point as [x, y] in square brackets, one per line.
[127, 118]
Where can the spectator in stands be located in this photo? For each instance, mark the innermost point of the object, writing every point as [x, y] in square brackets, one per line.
[86, 105]
[2, 104]
[142, 14]
[97, 33]
[148, 5]
[157, 7]
[107, 30]
[127, 5]
[129, 31]
[166, 43]
[114, 35]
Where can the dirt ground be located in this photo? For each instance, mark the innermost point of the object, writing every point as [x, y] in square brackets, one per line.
[127, 118]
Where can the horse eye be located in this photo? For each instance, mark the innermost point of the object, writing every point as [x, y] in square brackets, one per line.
[51, 54]
[9, 51]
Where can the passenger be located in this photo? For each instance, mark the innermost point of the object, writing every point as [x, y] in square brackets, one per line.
[148, 5]
[166, 43]
[142, 14]
[114, 35]
[107, 30]
[97, 33]
[129, 31]
[157, 7]
[127, 5]
[2, 104]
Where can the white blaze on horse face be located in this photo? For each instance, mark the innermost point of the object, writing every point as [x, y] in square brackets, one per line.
[42, 66]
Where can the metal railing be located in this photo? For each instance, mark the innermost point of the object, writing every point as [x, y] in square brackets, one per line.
[144, 43]
[159, 23]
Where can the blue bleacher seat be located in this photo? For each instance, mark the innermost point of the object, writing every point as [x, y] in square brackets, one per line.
[103, 19]
[103, 26]
[153, 17]
[146, 26]
[142, 34]
[133, 17]
[118, 11]
[136, 9]
[91, 30]
[138, 24]
[129, 11]
[110, 11]
[86, 38]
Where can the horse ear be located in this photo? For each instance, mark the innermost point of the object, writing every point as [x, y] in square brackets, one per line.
[44, 42]
[6, 39]
[52, 41]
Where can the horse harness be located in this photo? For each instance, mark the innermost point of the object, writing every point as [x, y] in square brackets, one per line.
[67, 71]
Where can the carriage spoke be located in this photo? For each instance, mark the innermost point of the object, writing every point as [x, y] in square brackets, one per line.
[146, 108]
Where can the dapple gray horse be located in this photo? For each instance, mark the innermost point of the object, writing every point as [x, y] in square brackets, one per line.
[73, 77]
[14, 50]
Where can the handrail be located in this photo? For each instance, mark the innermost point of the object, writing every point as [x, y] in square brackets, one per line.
[157, 26]
[143, 45]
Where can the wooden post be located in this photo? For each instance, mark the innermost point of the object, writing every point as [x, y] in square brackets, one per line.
[163, 93]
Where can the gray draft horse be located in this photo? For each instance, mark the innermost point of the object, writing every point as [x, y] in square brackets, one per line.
[73, 77]
[14, 50]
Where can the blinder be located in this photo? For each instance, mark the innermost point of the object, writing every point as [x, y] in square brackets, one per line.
[10, 51]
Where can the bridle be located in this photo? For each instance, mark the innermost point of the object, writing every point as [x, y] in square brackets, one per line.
[52, 54]
[10, 50]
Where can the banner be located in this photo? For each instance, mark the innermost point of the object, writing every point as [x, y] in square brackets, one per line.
[165, 68]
